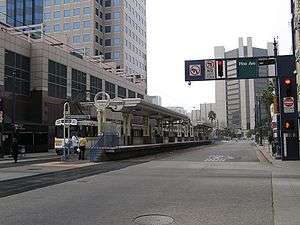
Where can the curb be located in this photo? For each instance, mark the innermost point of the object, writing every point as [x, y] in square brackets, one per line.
[267, 157]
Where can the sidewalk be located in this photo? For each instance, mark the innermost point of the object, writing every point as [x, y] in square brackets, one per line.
[286, 189]
[28, 158]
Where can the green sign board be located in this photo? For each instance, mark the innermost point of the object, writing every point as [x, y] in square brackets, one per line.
[247, 68]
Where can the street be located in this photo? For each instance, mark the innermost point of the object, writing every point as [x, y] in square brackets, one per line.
[219, 184]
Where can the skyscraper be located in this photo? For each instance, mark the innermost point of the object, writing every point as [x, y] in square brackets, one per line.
[236, 100]
[114, 29]
[21, 12]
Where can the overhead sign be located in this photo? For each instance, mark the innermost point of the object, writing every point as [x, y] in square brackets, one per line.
[210, 70]
[266, 61]
[247, 68]
[195, 70]
[288, 105]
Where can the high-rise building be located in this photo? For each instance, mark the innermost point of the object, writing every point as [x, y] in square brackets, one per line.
[21, 12]
[237, 100]
[201, 114]
[154, 100]
[114, 30]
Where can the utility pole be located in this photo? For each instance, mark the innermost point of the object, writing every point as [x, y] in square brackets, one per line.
[293, 26]
[13, 116]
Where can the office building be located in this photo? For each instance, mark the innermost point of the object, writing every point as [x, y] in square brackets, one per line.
[201, 114]
[154, 100]
[237, 100]
[46, 76]
[113, 30]
[21, 12]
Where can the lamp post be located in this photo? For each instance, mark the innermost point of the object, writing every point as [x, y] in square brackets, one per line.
[66, 112]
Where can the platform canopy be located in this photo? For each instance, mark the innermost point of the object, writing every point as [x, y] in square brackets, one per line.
[140, 107]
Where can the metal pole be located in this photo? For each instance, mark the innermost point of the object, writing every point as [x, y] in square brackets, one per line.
[13, 119]
[293, 26]
[260, 124]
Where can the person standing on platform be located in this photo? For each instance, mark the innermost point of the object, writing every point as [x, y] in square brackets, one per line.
[82, 145]
[14, 149]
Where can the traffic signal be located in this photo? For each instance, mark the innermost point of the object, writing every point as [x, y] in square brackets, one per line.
[287, 83]
[288, 125]
[220, 68]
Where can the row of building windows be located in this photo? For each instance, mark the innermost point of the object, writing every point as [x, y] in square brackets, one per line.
[77, 39]
[137, 4]
[135, 37]
[134, 49]
[68, 26]
[59, 2]
[67, 13]
[17, 73]
[57, 83]
[134, 61]
[135, 25]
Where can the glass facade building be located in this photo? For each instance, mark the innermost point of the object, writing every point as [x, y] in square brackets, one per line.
[22, 12]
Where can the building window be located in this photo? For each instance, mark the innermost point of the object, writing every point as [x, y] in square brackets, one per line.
[86, 38]
[57, 2]
[108, 16]
[96, 38]
[47, 16]
[95, 86]
[116, 15]
[121, 92]
[67, 13]
[116, 41]
[67, 26]
[86, 10]
[116, 2]
[87, 24]
[110, 89]
[76, 39]
[97, 25]
[78, 82]
[56, 28]
[107, 42]
[57, 80]
[97, 11]
[76, 25]
[67, 1]
[131, 94]
[107, 29]
[140, 96]
[76, 12]
[117, 55]
[117, 28]
[107, 55]
[57, 14]
[17, 67]
[107, 3]
[47, 2]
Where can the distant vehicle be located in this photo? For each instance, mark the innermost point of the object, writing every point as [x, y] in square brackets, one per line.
[79, 128]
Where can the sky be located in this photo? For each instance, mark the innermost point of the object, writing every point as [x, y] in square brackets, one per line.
[190, 29]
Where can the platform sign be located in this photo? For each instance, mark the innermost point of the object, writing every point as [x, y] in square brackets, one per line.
[288, 105]
[247, 68]
[210, 70]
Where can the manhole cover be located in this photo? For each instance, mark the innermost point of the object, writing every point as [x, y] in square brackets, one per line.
[154, 219]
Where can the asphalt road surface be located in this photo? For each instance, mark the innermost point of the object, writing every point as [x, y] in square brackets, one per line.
[212, 185]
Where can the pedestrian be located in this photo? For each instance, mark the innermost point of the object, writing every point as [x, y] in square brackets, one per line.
[82, 145]
[14, 149]
[75, 143]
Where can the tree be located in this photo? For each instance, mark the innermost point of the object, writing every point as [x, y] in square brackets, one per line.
[212, 116]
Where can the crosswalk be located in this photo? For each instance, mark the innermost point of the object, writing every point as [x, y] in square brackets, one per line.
[218, 158]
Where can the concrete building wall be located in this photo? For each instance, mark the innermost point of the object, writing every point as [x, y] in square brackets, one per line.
[220, 92]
